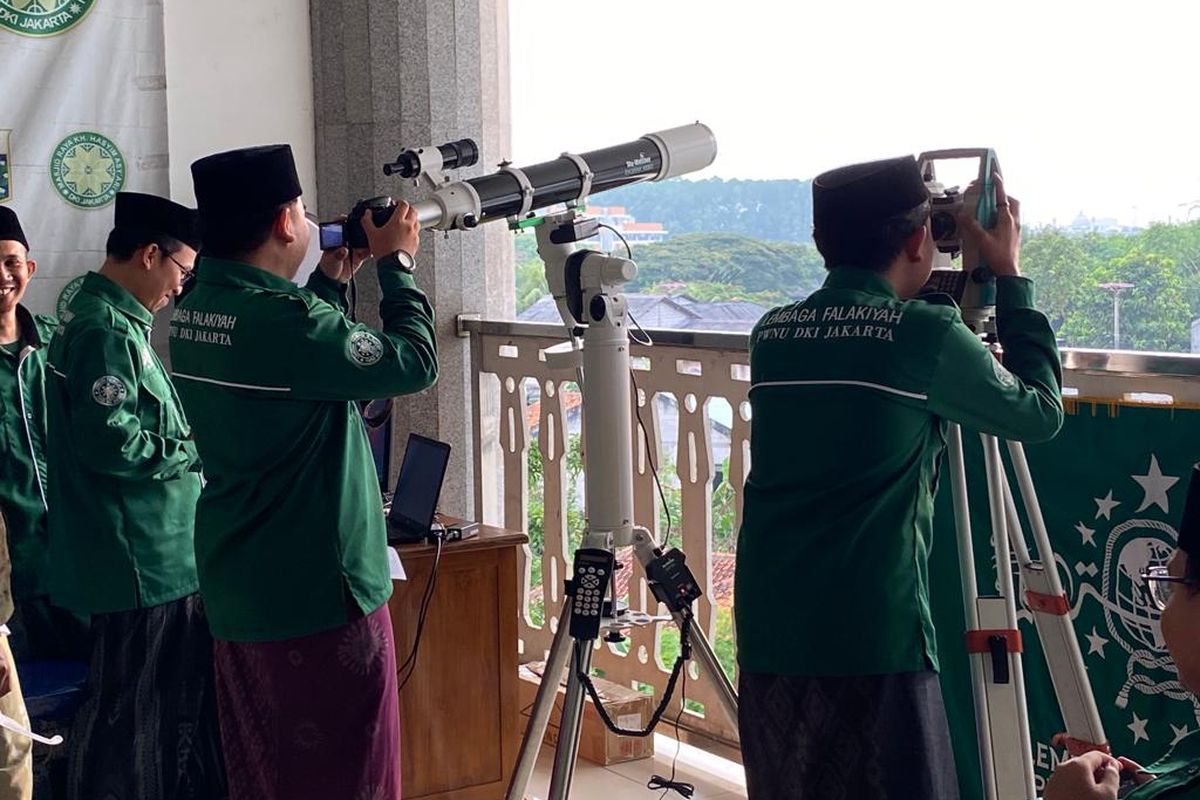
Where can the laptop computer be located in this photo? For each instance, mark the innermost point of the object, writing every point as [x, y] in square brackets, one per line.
[418, 486]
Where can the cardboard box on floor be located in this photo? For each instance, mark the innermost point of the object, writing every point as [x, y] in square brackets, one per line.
[628, 708]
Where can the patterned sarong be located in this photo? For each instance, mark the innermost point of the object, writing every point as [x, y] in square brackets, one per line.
[864, 737]
[312, 718]
[148, 728]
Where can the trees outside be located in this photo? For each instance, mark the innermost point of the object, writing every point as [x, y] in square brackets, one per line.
[732, 240]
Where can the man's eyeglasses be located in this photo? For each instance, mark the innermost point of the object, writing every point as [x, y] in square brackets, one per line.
[1160, 585]
[186, 270]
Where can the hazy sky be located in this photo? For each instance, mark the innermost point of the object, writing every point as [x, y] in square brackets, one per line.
[1091, 107]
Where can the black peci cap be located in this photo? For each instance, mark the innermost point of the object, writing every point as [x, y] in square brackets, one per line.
[866, 194]
[10, 227]
[247, 180]
[150, 214]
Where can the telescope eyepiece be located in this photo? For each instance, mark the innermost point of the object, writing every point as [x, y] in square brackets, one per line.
[406, 165]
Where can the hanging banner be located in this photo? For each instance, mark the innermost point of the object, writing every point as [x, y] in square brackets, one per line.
[1111, 487]
[84, 116]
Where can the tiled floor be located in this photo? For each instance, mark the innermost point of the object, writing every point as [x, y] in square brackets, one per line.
[714, 778]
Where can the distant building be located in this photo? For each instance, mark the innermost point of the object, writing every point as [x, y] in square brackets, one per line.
[669, 311]
[634, 232]
[1082, 225]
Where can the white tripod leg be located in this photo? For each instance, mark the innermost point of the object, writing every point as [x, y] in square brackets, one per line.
[645, 549]
[970, 592]
[543, 705]
[566, 753]
[997, 644]
[1052, 615]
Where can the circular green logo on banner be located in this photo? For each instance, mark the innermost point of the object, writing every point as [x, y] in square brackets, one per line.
[67, 295]
[42, 17]
[87, 169]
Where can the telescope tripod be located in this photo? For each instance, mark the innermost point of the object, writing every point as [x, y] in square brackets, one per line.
[587, 288]
[993, 640]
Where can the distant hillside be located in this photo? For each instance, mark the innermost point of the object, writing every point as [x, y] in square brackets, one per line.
[708, 267]
[779, 210]
[751, 265]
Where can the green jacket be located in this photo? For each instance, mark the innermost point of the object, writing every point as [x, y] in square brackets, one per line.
[850, 394]
[290, 532]
[23, 442]
[1177, 773]
[123, 471]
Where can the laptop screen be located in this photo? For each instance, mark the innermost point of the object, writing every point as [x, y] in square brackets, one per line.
[415, 500]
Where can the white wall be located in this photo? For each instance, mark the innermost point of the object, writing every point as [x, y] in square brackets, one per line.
[238, 74]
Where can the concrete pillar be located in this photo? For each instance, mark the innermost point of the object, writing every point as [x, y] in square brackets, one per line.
[389, 74]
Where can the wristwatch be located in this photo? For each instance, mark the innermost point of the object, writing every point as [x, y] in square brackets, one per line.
[401, 259]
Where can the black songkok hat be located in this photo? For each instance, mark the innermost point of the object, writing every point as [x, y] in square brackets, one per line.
[249, 180]
[849, 198]
[150, 215]
[1189, 528]
[10, 227]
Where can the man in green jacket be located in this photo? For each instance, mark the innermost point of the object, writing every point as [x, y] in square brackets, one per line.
[290, 531]
[851, 392]
[40, 630]
[124, 477]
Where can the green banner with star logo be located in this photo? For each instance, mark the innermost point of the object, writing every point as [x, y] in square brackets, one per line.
[1111, 488]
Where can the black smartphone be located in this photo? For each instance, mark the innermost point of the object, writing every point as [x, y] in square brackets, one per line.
[332, 235]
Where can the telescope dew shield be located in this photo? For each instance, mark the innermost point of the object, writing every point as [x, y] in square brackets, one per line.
[514, 192]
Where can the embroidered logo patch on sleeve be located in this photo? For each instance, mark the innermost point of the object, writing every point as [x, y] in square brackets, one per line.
[364, 348]
[108, 390]
[1005, 377]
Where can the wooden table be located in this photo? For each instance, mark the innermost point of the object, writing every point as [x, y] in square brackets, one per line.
[459, 712]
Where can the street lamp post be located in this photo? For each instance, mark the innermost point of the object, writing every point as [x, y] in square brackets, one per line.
[1116, 288]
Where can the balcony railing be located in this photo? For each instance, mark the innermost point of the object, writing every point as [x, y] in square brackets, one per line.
[700, 374]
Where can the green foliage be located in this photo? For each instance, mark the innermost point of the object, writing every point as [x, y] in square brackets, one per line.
[530, 272]
[525, 246]
[1058, 265]
[1181, 244]
[750, 240]
[724, 514]
[724, 536]
[531, 283]
[1162, 263]
[723, 641]
[775, 210]
[536, 512]
[711, 292]
[749, 265]
[670, 515]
